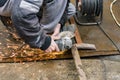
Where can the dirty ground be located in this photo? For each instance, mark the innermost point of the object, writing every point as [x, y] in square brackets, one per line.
[100, 68]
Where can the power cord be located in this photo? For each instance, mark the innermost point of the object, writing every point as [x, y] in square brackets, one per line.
[111, 10]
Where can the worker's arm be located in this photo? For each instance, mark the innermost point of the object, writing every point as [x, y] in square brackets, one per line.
[61, 23]
[27, 24]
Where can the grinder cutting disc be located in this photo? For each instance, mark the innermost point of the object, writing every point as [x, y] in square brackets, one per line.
[66, 34]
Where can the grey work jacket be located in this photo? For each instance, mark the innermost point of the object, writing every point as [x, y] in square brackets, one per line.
[5, 10]
[28, 25]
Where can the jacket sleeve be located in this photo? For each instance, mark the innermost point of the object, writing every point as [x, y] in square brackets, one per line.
[24, 17]
[64, 18]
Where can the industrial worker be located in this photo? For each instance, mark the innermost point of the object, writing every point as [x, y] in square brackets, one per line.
[34, 20]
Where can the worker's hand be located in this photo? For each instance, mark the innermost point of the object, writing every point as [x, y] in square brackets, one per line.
[56, 32]
[53, 47]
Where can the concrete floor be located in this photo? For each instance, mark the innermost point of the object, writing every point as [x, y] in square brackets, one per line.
[99, 68]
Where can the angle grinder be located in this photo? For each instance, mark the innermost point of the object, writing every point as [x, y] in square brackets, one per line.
[66, 37]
